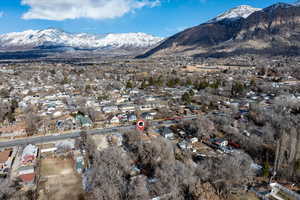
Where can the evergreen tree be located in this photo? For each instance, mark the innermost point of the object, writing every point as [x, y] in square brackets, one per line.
[129, 85]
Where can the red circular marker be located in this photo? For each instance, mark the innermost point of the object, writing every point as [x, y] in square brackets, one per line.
[140, 125]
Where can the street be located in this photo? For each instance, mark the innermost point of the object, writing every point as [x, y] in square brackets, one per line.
[75, 134]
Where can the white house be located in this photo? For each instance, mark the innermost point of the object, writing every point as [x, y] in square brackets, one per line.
[114, 120]
[127, 108]
[110, 109]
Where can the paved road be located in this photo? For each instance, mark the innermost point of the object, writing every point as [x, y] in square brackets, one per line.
[75, 134]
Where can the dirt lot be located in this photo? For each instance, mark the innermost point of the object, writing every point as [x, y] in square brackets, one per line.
[203, 68]
[59, 180]
[247, 196]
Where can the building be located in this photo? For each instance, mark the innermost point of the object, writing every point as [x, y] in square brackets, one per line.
[146, 107]
[131, 117]
[29, 155]
[85, 121]
[114, 120]
[194, 140]
[167, 133]
[280, 192]
[6, 158]
[219, 142]
[127, 108]
[110, 109]
[147, 116]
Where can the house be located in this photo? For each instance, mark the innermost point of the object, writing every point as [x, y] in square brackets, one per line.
[149, 98]
[110, 109]
[193, 108]
[85, 121]
[194, 140]
[280, 192]
[147, 116]
[134, 91]
[122, 117]
[131, 117]
[114, 120]
[184, 145]
[146, 107]
[121, 99]
[127, 108]
[29, 154]
[219, 142]
[65, 124]
[167, 133]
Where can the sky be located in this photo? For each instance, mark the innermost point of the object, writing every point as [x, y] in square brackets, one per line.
[157, 17]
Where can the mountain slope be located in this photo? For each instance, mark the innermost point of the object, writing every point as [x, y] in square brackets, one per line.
[274, 29]
[54, 37]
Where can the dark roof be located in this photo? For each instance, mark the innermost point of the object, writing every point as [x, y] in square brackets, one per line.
[166, 130]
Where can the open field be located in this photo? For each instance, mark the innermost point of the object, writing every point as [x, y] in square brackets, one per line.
[59, 180]
[204, 68]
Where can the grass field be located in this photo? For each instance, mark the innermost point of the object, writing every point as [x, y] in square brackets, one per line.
[59, 180]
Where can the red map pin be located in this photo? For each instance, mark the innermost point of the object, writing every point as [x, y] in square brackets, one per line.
[140, 125]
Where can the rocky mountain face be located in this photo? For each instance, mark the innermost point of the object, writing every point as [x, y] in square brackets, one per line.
[54, 38]
[278, 20]
[273, 30]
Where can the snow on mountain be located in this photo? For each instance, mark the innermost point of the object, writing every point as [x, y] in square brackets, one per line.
[55, 37]
[242, 11]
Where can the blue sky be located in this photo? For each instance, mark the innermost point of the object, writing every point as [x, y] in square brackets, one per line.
[156, 17]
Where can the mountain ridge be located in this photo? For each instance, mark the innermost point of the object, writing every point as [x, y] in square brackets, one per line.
[56, 37]
[273, 29]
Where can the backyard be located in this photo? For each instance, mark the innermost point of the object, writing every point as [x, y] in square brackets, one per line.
[59, 180]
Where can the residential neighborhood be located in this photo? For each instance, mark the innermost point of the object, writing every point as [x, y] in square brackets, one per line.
[149, 100]
[204, 116]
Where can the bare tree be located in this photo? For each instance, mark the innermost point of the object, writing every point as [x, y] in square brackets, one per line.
[109, 177]
[138, 188]
[32, 122]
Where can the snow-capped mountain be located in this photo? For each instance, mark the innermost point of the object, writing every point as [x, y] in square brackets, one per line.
[242, 11]
[55, 37]
[273, 30]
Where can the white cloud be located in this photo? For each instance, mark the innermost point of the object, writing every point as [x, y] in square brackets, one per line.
[74, 9]
[1, 14]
